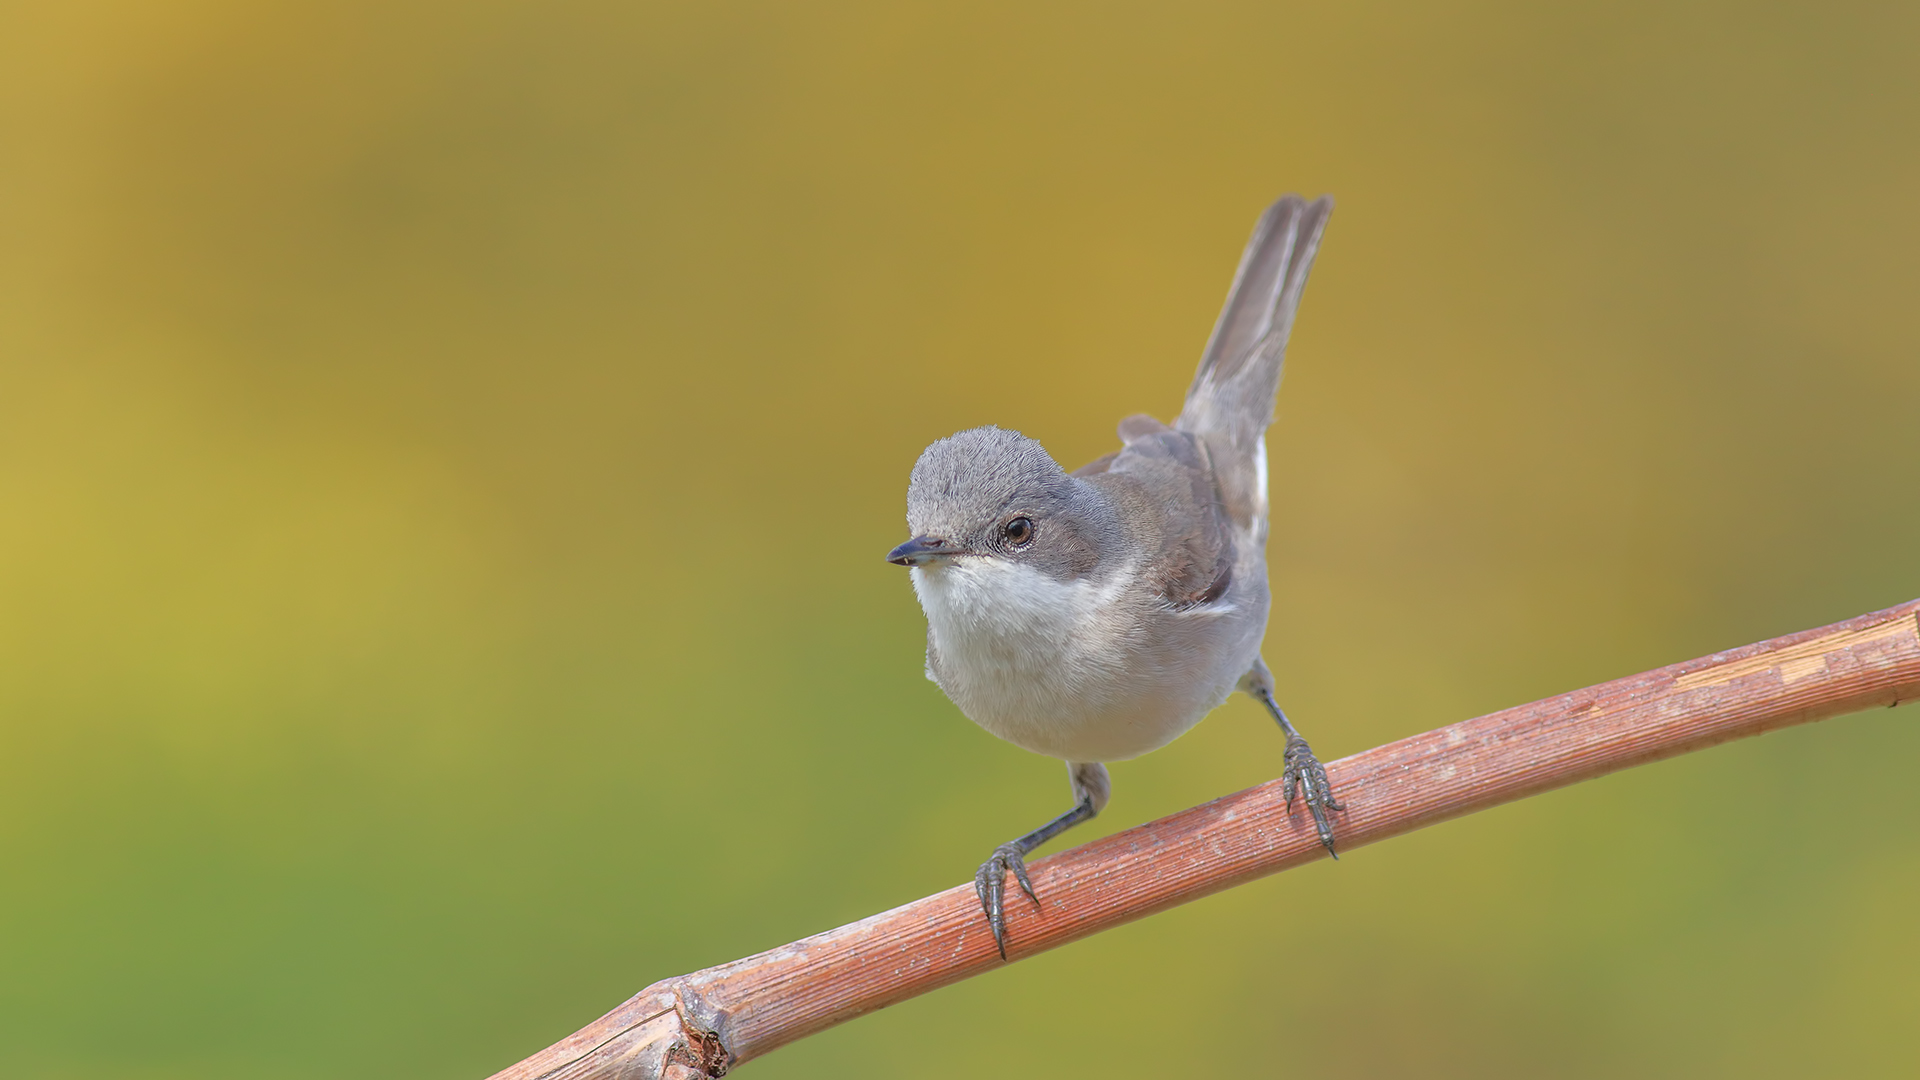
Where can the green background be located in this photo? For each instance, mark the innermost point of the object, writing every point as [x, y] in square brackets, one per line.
[446, 451]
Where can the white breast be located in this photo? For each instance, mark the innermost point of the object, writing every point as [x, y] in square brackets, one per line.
[1083, 671]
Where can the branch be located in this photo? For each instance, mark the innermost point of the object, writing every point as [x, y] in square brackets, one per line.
[699, 1025]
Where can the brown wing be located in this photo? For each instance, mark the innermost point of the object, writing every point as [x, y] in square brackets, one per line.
[1165, 486]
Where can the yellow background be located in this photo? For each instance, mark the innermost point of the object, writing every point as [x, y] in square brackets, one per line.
[446, 451]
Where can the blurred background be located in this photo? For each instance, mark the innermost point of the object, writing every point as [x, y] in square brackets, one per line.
[447, 450]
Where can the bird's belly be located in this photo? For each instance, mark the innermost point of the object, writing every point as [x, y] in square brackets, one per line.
[1125, 722]
[1070, 670]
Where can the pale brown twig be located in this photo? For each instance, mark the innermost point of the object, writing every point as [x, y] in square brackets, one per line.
[700, 1025]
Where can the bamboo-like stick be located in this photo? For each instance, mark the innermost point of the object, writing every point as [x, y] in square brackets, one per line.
[700, 1025]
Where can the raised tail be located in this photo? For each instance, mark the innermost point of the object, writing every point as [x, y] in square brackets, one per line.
[1231, 401]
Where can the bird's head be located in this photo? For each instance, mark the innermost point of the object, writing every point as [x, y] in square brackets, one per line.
[992, 494]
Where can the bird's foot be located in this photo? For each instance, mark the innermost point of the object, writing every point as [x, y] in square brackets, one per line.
[991, 886]
[1305, 776]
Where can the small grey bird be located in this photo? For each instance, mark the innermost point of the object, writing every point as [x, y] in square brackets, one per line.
[1095, 615]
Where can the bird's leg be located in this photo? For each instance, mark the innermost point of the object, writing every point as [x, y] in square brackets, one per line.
[1303, 774]
[1090, 783]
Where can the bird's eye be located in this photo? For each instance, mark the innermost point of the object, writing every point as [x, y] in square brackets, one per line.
[1020, 530]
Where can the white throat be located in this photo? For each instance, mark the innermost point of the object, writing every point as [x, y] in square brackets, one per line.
[1029, 658]
[1006, 614]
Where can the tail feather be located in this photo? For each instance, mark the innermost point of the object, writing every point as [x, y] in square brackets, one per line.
[1231, 401]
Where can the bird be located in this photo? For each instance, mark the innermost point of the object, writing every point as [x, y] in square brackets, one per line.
[1096, 615]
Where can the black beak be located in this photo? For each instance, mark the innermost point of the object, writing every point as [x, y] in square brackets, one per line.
[920, 549]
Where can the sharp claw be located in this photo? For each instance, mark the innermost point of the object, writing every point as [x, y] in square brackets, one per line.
[1304, 776]
[1026, 883]
[1326, 831]
[990, 885]
[996, 909]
